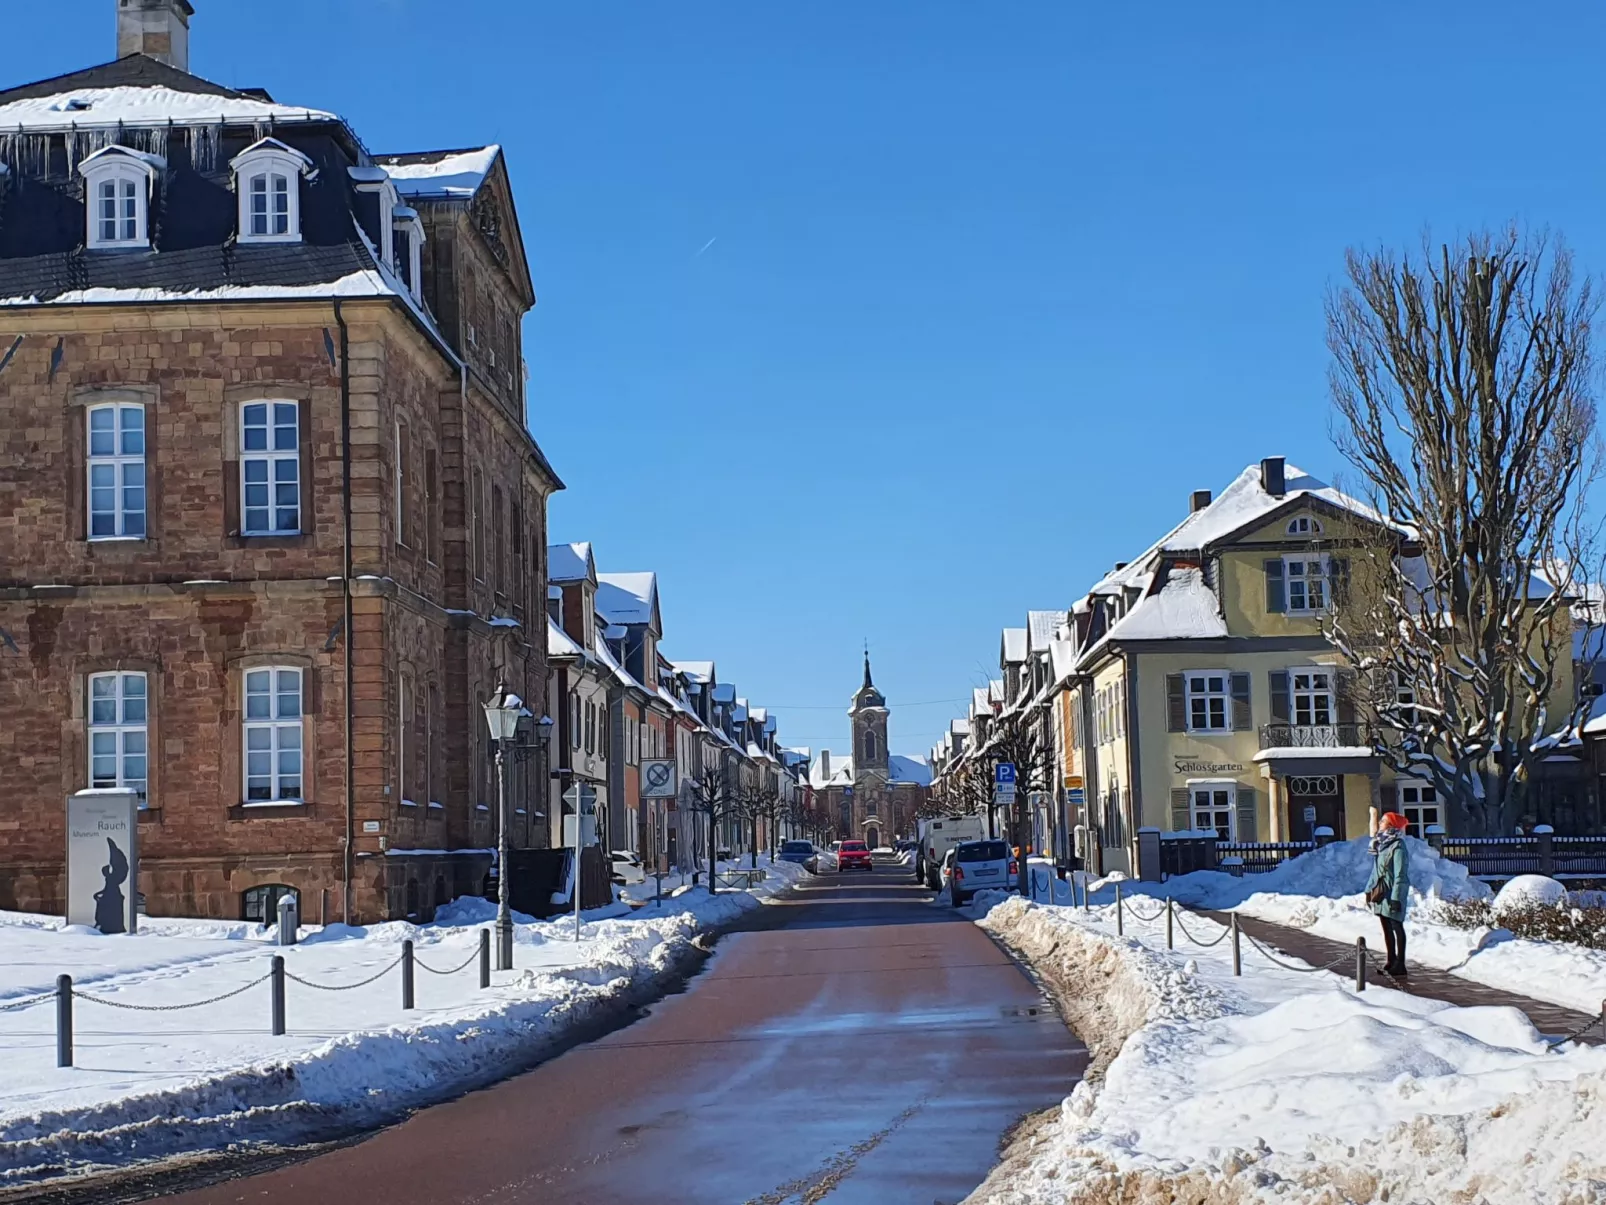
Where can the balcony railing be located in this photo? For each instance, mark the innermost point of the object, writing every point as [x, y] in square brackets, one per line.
[1314, 736]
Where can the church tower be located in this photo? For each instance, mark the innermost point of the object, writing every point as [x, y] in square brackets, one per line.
[869, 716]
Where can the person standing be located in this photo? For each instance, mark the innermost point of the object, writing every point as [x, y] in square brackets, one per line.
[1386, 889]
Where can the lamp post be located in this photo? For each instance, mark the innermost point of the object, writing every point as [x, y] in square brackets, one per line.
[502, 713]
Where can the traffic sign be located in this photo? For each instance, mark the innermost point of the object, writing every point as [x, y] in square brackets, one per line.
[582, 796]
[658, 780]
[1073, 782]
[1076, 797]
[1004, 773]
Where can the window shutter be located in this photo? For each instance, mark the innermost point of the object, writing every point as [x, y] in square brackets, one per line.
[1388, 795]
[1243, 717]
[1344, 686]
[1176, 704]
[1338, 570]
[1276, 596]
[1246, 814]
[1279, 696]
[1180, 819]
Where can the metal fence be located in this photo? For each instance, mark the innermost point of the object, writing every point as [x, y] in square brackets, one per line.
[1484, 857]
[1257, 857]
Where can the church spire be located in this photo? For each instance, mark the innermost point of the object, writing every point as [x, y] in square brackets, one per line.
[867, 681]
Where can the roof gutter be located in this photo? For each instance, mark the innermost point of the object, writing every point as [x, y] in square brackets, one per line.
[349, 860]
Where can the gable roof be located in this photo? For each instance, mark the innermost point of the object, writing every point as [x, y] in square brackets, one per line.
[628, 598]
[1182, 608]
[130, 71]
[1041, 626]
[1014, 646]
[1245, 504]
[440, 175]
[701, 672]
[909, 769]
[570, 563]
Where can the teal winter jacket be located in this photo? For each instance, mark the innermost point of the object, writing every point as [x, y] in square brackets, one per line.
[1389, 862]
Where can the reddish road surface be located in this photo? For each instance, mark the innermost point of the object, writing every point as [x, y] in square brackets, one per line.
[868, 1049]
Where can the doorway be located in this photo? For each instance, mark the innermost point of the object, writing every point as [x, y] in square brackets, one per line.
[1315, 801]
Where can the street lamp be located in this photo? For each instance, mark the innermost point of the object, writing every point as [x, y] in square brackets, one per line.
[502, 713]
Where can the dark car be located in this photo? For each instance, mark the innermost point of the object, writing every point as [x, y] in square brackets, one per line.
[854, 855]
[801, 852]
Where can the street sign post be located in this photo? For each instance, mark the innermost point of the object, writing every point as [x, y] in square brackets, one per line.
[1004, 784]
[582, 797]
[658, 784]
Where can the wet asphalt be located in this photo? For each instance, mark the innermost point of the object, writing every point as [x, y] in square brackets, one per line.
[856, 1044]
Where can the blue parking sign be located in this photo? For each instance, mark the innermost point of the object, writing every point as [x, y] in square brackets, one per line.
[1004, 774]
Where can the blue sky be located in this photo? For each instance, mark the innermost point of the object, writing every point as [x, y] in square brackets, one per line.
[991, 287]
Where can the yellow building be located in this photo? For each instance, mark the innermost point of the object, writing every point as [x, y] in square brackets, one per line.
[1204, 694]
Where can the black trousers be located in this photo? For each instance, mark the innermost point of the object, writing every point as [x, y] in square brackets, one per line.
[1394, 940]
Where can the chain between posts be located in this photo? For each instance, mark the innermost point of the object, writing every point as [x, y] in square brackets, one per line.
[422, 965]
[1205, 945]
[346, 987]
[26, 1002]
[79, 994]
[1599, 1019]
[1348, 956]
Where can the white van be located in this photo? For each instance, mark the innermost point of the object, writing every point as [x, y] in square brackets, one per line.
[937, 837]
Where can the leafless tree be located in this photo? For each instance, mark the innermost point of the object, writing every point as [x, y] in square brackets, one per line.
[1464, 387]
[710, 797]
[1018, 739]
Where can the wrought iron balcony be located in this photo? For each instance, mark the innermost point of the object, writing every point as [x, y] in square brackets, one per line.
[1315, 736]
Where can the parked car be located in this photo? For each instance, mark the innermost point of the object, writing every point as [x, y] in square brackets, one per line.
[974, 865]
[937, 837]
[627, 868]
[854, 855]
[801, 852]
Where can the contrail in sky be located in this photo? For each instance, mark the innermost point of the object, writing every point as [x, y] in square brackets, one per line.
[705, 247]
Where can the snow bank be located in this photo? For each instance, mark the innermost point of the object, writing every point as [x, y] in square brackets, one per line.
[1526, 891]
[1288, 1087]
[150, 1085]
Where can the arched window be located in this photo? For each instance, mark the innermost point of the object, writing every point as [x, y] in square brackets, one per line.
[117, 191]
[267, 184]
[869, 746]
[1304, 525]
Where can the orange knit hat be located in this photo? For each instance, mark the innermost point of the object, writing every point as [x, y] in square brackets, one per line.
[1394, 820]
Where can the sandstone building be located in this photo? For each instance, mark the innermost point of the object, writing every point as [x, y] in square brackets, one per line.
[271, 523]
[874, 795]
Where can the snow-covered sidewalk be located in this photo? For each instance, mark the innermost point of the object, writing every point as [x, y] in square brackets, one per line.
[1289, 1086]
[1321, 892]
[149, 1084]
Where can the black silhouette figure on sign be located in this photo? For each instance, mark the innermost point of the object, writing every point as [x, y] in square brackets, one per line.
[110, 906]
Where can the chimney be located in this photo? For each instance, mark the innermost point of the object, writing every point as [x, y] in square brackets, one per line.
[159, 29]
[1119, 565]
[1272, 479]
[825, 765]
[1197, 501]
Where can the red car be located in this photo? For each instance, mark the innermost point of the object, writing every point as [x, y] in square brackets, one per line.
[854, 855]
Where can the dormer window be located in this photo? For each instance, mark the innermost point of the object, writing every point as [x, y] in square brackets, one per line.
[267, 181]
[407, 231]
[117, 192]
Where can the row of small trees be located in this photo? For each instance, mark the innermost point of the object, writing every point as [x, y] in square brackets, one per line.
[717, 798]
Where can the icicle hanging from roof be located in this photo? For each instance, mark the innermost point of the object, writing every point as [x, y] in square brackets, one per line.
[204, 142]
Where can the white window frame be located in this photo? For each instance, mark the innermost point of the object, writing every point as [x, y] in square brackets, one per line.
[273, 457]
[1312, 693]
[118, 166]
[1415, 810]
[124, 720]
[264, 160]
[406, 218]
[1213, 789]
[1304, 525]
[276, 732]
[1305, 580]
[122, 465]
[1208, 697]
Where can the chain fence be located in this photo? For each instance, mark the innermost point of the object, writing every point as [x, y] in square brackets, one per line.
[67, 995]
[1225, 933]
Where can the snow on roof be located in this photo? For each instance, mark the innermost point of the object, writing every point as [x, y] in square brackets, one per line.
[365, 283]
[90, 108]
[980, 702]
[568, 562]
[1014, 645]
[909, 769]
[1041, 627]
[995, 690]
[1183, 608]
[959, 727]
[558, 643]
[724, 692]
[841, 774]
[611, 663]
[697, 671]
[760, 715]
[627, 597]
[454, 174]
[1246, 502]
[1062, 657]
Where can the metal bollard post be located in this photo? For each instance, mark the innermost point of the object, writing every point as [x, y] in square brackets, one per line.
[407, 974]
[1120, 926]
[1360, 964]
[1169, 943]
[277, 983]
[1237, 953]
[485, 958]
[64, 1020]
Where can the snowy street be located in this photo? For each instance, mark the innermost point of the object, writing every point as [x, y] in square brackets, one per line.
[855, 1039]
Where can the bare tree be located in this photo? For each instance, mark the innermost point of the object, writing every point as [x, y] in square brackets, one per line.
[1018, 740]
[710, 797]
[1463, 382]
